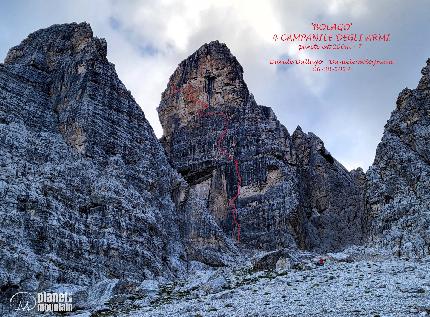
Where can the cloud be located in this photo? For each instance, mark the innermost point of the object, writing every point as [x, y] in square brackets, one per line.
[148, 39]
[354, 8]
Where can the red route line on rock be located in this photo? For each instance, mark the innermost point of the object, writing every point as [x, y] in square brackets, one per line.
[190, 96]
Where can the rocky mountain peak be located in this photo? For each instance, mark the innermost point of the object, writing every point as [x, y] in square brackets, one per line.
[44, 49]
[424, 83]
[215, 73]
[298, 129]
[81, 170]
[89, 196]
[77, 78]
[212, 76]
[245, 171]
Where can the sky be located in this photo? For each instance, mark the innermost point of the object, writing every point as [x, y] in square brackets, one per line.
[347, 110]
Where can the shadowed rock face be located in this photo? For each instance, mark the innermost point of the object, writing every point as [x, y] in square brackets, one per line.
[292, 191]
[398, 195]
[86, 192]
[331, 198]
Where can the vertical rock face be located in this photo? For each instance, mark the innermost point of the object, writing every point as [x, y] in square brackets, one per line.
[85, 186]
[331, 198]
[291, 191]
[398, 194]
[204, 144]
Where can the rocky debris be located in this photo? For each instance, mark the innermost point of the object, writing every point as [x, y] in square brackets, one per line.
[87, 194]
[359, 253]
[367, 287]
[291, 191]
[270, 260]
[398, 187]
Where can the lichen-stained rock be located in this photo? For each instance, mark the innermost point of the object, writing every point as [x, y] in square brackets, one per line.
[398, 195]
[86, 192]
[291, 191]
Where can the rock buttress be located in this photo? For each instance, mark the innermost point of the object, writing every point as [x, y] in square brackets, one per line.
[398, 194]
[85, 186]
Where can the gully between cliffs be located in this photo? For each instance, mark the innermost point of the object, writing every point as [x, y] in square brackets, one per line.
[190, 95]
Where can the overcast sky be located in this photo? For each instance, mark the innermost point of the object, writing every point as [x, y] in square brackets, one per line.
[148, 39]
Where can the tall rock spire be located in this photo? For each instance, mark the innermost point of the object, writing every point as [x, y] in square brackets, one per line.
[229, 148]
